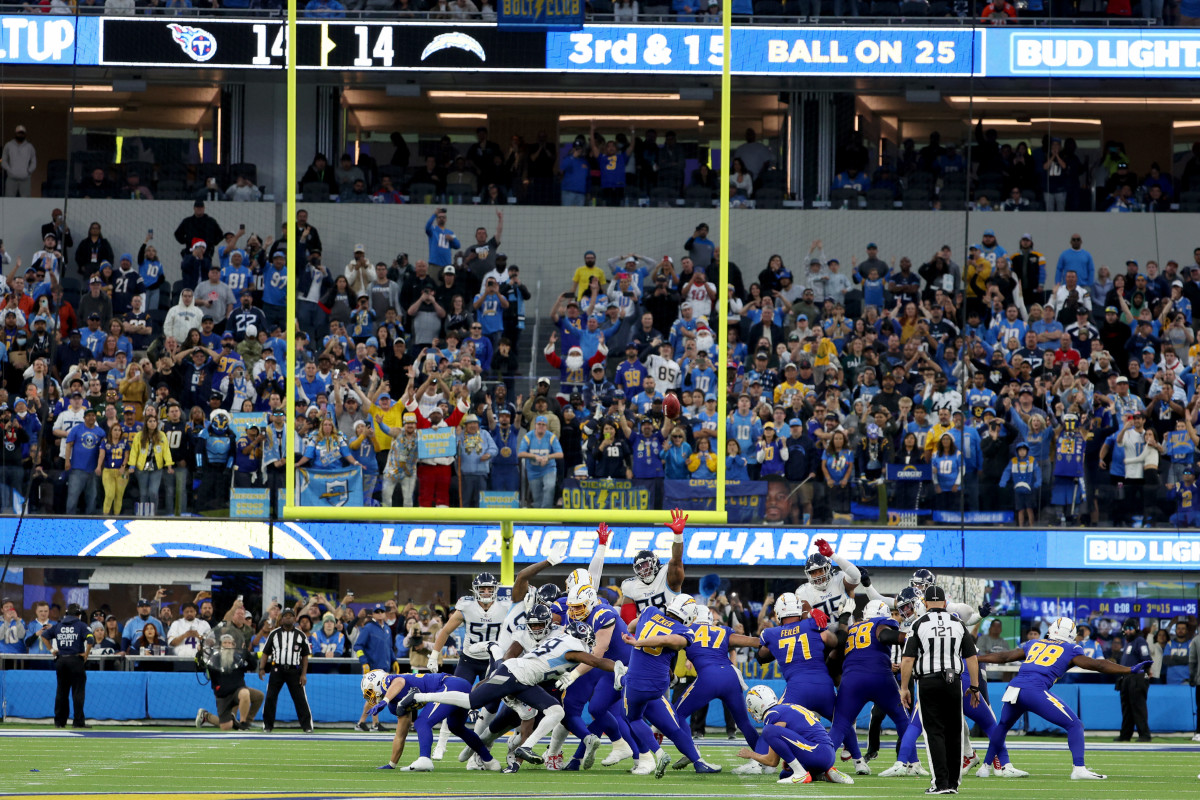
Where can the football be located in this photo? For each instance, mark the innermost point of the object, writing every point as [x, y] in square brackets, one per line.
[671, 406]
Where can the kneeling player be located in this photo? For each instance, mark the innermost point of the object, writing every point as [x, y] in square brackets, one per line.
[1044, 661]
[385, 691]
[794, 735]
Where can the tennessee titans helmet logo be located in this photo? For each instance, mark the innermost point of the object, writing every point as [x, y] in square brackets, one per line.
[199, 44]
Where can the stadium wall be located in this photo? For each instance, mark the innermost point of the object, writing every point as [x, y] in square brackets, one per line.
[166, 696]
[548, 241]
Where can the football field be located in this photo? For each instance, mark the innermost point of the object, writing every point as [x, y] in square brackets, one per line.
[170, 764]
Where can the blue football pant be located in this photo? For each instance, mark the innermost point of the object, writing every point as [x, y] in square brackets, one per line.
[608, 715]
[456, 719]
[981, 715]
[722, 684]
[858, 689]
[1046, 706]
[644, 705]
[817, 759]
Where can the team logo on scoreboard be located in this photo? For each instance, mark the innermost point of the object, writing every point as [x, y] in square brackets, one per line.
[457, 40]
[199, 44]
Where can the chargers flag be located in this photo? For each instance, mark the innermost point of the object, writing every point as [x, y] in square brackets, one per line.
[330, 487]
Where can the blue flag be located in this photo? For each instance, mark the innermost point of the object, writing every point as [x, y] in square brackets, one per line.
[330, 487]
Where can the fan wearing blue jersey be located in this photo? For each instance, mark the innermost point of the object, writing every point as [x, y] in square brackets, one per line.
[660, 634]
[798, 643]
[1044, 661]
[867, 678]
[386, 690]
[1070, 446]
[794, 735]
[716, 675]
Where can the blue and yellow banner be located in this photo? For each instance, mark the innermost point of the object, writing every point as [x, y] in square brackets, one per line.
[605, 494]
[331, 487]
[440, 443]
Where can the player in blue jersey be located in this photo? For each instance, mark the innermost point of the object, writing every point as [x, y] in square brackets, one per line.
[660, 634]
[867, 677]
[716, 675]
[1044, 661]
[1068, 490]
[386, 691]
[794, 735]
[798, 643]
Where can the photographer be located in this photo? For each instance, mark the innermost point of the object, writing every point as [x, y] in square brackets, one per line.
[226, 667]
[421, 633]
[426, 315]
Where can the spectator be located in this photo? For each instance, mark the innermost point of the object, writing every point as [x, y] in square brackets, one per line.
[198, 226]
[12, 629]
[19, 161]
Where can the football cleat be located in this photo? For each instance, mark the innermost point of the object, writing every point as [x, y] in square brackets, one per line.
[681, 762]
[571, 766]
[644, 766]
[200, 715]
[493, 765]
[983, 771]
[702, 767]
[661, 762]
[620, 751]
[897, 770]
[439, 752]
[527, 755]
[378, 728]
[871, 755]
[590, 744]
[794, 778]
[512, 768]
[1085, 774]
[465, 754]
[750, 768]
[475, 762]
[422, 764]
[833, 775]
[845, 755]
[968, 762]
[1009, 771]
[861, 767]
[361, 726]
[554, 762]
[386, 766]
[915, 768]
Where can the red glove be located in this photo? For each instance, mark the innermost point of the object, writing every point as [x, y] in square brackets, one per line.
[602, 533]
[678, 522]
[823, 547]
[820, 618]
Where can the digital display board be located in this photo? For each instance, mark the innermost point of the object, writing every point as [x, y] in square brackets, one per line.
[362, 45]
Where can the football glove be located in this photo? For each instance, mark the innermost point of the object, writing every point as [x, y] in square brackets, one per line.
[1139, 667]
[564, 683]
[558, 553]
[378, 707]
[602, 533]
[985, 608]
[823, 547]
[864, 578]
[433, 661]
[820, 619]
[678, 522]
[619, 670]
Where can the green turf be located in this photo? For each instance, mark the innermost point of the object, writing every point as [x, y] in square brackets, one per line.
[211, 762]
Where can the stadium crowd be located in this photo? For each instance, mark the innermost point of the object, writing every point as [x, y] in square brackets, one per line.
[980, 373]
[122, 396]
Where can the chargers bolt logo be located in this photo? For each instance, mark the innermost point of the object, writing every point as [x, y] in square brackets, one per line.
[458, 40]
[199, 44]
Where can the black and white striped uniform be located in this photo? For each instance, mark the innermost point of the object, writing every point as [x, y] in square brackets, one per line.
[285, 654]
[938, 643]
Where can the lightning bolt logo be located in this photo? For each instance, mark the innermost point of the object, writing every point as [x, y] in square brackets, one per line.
[1058, 704]
[537, 8]
[801, 745]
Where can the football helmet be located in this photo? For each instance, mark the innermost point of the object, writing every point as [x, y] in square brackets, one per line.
[819, 570]
[875, 609]
[908, 602]
[539, 621]
[646, 566]
[548, 593]
[788, 605]
[484, 588]
[578, 577]
[219, 420]
[683, 607]
[703, 615]
[583, 632]
[921, 580]
[372, 685]
[759, 700]
[1062, 630]
[580, 602]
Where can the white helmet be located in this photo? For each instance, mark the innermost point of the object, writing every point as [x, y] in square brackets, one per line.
[372, 685]
[578, 577]
[759, 701]
[1061, 630]
[684, 608]
[580, 602]
[788, 605]
[875, 608]
[703, 615]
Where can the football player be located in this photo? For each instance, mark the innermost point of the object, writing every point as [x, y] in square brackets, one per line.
[794, 735]
[521, 678]
[384, 691]
[867, 677]
[660, 634]
[717, 676]
[921, 580]
[483, 617]
[651, 585]
[1044, 661]
[825, 590]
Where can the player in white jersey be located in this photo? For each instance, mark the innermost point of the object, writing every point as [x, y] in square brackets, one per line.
[832, 593]
[520, 678]
[921, 580]
[651, 585]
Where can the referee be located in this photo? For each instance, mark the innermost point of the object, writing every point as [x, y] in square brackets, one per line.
[73, 642]
[934, 652]
[287, 651]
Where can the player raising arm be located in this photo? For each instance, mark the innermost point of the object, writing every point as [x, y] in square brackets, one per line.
[1043, 662]
[651, 586]
[826, 591]
[920, 581]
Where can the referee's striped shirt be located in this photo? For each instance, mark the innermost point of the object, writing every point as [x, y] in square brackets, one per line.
[938, 641]
[285, 648]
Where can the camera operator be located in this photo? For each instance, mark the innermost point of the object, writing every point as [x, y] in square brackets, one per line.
[226, 667]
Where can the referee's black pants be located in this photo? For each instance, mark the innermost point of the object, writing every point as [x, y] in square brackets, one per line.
[72, 678]
[942, 718]
[289, 676]
[1134, 689]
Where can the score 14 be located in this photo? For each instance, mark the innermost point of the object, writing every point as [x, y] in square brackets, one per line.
[278, 45]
